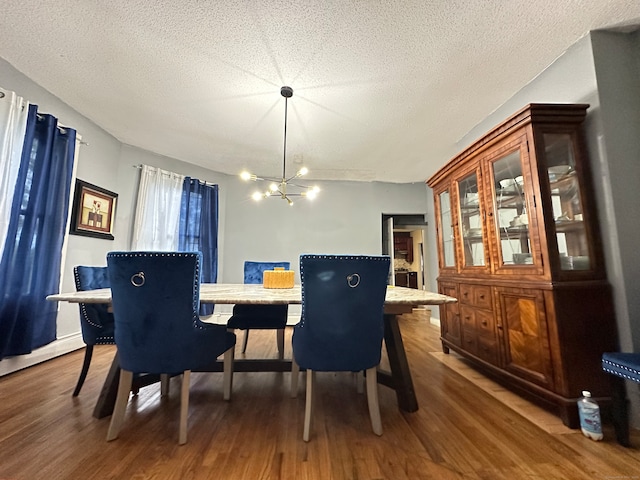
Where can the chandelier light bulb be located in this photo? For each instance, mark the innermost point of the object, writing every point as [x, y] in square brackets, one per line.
[246, 176]
[257, 196]
[273, 187]
[303, 171]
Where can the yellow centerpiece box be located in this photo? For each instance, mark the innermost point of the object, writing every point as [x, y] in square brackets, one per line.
[277, 278]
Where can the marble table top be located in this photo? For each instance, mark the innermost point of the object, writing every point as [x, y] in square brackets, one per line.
[229, 293]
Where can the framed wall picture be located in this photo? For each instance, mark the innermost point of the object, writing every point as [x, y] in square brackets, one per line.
[94, 211]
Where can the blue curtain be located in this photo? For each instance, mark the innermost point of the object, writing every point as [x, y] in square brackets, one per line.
[199, 228]
[30, 262]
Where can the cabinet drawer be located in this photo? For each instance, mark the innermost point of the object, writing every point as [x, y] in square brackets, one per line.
[477, 295]
[487, 349]
[469, 340]
[477, 319]
[485, 323]
[467, 317]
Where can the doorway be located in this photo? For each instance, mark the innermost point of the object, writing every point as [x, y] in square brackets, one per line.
[404, 240]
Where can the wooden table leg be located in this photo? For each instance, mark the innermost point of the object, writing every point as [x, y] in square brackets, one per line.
[400, 377]
[107, 397]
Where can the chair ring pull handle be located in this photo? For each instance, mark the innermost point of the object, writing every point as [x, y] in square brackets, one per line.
[137, 279]
[353, 280]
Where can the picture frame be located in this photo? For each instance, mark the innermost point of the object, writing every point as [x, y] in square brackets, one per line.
[94, 211]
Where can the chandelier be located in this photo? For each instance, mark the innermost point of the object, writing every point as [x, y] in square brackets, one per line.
[282, 187]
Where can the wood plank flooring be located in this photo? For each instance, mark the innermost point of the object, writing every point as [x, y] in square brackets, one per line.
[459, 432]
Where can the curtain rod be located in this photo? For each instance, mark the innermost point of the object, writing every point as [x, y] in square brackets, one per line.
[139, 167]
[61, 127]
[41, 117]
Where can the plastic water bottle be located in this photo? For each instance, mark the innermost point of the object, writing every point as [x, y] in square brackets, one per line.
[590, 417]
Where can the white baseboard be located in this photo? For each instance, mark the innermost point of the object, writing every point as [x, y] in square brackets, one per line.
[56, 348]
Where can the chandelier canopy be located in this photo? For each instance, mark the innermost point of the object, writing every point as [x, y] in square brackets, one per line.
[281, 187]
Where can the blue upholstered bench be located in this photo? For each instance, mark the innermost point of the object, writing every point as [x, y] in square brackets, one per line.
[622, 366]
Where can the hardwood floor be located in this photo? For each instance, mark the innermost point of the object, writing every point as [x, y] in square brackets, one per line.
[459, 432]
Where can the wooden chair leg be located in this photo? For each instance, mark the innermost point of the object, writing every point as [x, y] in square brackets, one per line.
[309, 404]
[184, 406]
[164, 384]
[280, 341]
[359, 379]
[245, 340]
[88, 352]
[122, 398]
[227, 373]
[620, 410]
[372, 400]
[295, 373]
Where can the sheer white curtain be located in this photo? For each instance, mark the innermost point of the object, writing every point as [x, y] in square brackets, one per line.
[157, 217]
[13, 124]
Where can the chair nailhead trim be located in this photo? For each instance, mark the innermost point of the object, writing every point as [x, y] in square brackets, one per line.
[86, 316]
[83, 310]
[332, 257]
[196, 289]
[633, 371]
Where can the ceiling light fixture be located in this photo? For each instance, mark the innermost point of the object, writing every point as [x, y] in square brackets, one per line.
[280, 187]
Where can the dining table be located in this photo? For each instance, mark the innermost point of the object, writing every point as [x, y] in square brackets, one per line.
[398, 301]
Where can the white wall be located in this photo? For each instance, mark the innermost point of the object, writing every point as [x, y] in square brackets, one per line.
[617, 66]
[345, 218]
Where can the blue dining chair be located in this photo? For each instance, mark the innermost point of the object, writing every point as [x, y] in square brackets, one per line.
[96, 321]
[342, 323]
[260, 317]
[156, 297]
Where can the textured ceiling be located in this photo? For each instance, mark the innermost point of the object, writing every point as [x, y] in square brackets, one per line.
[382, 89]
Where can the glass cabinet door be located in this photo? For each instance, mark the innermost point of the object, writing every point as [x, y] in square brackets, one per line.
[566, 202]
[447, 239]
[510, 207]
[471, 222]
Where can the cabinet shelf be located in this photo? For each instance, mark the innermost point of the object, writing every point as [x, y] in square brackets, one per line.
[512, 201]
[569, 225]
[514, 231]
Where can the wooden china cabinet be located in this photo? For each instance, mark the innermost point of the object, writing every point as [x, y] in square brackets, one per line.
[519, 246]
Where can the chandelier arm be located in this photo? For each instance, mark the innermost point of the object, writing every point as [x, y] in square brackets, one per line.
[298, 185]
[284, 152]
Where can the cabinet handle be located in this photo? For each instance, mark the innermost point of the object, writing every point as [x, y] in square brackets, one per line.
[482, 297]
[484, 323]
[499, 327]
[467, 317]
